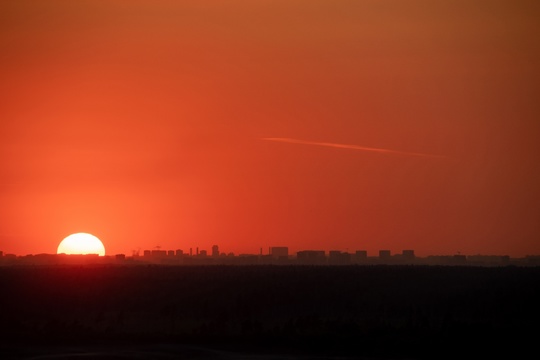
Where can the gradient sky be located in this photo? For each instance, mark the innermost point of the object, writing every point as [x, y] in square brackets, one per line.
[249, 124]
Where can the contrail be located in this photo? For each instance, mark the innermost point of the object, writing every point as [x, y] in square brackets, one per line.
[353, 147]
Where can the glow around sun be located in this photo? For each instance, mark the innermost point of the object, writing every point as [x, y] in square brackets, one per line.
[81, 244]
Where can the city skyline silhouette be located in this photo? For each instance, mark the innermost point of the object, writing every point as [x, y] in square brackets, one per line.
[275, 255]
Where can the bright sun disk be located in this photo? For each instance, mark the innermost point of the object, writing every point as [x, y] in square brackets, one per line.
[81, 244]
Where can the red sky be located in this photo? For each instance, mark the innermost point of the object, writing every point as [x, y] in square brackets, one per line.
[144, 123]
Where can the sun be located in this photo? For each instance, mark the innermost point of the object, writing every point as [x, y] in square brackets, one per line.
[81, 243]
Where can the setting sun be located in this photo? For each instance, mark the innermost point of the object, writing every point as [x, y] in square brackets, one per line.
[81, 243]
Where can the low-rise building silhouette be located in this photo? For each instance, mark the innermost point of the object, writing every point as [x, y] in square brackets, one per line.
[336, 257]
[361, 254]
[408, 255]
[279, 252]
[311, 257]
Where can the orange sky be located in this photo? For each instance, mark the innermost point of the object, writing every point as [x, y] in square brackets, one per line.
[144, 123]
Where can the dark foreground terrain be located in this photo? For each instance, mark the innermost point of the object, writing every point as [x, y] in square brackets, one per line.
[275, 312]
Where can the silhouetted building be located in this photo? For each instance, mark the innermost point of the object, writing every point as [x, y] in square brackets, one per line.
[170, 253]
[147, 253]
[311, 257]
[336, 257]
[159, 254]
[384, 254]
[215, 251]
[408, 255]
[247, 259]
[120, 257]
[266, 259]
[203, 253]
[360, 255]
[179, 253]
[279, 252]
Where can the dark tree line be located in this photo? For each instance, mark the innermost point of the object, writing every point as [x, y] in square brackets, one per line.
[398, 311]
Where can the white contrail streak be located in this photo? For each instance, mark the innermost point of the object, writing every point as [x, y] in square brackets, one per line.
[352, 147]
